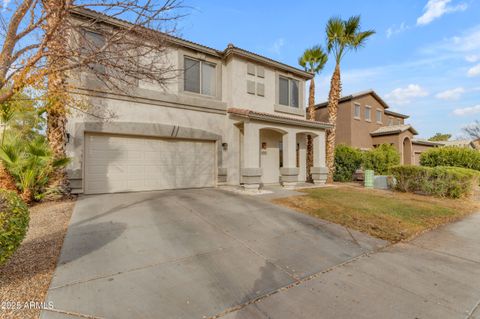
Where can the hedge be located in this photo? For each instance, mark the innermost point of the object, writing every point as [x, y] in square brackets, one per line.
[451, 156]
[381, 159]
[442, 181]
[14, 219]
[347, 160]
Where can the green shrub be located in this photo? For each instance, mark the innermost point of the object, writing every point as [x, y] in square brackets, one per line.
[442, 181]
[381, 159]
[451, 156]
[347, 161]
[14, 219]
[31, 163]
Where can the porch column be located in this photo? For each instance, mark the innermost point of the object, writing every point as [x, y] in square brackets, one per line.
[319, 169]
[251, 171]
[289, 171]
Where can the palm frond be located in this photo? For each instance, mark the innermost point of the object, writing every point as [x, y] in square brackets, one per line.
[360, 38]
[335, 31]
[352, 26]
[313, 59]
[60, 162]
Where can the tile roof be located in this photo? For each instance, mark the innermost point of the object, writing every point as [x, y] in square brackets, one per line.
[355, 95]
[277, 118]
[422, 141]
[393, 129]
[89, 13]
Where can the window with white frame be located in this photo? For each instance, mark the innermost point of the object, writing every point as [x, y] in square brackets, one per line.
[288, 92]
[357, 111]
[379, 116]
[390, 121]
[368, 113]
[199, 77]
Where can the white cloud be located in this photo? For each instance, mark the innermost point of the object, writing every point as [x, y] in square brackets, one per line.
[474, 71]
[437, 8]
[472, 58]
[405, 95]
[396, 30]
[277, 46]
[453, 94]
[467, 110]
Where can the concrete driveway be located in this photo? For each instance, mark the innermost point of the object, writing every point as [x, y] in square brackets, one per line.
[189, 254]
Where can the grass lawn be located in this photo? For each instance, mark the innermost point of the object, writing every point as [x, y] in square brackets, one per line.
[388, 215]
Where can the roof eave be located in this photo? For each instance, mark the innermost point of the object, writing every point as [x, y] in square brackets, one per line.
[278, 65]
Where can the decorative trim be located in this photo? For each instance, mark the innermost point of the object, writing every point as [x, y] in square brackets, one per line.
[273, 118]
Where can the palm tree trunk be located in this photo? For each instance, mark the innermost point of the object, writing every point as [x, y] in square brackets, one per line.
[57, 92]
[6, 180]
[310, 116]
[333, 99]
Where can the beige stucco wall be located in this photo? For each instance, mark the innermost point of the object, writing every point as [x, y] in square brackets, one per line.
[418, 149]
[353, 131]
[171, 105]
[235, 89]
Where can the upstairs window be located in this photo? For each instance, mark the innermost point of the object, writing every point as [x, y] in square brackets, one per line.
[93, 44]
[357, 111]
[379, 116]
[199, 77]
[368, 113]
[288, 92]
[390, 121]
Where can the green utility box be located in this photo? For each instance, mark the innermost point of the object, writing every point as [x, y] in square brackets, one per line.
[369, 178]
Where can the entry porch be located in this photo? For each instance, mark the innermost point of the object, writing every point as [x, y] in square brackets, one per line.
[273, 149]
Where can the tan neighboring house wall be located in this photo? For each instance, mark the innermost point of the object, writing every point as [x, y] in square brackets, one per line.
[363, 131]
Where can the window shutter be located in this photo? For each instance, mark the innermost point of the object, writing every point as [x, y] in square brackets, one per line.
[260, 89]
[251, 68]
[260, 71]
[250, 87]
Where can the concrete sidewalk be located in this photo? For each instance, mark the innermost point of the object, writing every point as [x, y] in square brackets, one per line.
[434, 276]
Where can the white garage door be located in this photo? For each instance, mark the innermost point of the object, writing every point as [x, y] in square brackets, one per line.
[125, 164]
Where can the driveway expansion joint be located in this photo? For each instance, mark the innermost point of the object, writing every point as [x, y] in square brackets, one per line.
[472, 312]
[75, 314]
[297, 283]
[442, 252]
[139, 268]
[295, 278]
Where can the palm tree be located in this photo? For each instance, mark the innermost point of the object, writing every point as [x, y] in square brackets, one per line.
[6, 115]
[342, 36]
[313, 60]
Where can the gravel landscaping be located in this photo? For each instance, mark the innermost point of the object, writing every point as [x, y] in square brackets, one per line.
[25, 278]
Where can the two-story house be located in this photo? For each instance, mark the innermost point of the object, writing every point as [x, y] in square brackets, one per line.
[365, 121]
[231, 117]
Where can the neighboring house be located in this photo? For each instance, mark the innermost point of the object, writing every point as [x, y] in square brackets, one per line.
[365, 121]
[232, 117]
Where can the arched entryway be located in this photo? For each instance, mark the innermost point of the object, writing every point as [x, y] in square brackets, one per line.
[271, 154]
[407, 151]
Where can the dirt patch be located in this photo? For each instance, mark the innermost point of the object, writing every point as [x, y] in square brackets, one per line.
[25, 278]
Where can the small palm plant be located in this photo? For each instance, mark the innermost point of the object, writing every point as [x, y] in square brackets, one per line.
[342, 36]
[31, 163]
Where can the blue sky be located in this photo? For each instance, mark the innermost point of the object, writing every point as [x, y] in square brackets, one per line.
[424, 59]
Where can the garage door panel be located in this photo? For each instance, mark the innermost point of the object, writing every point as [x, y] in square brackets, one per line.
[122, 164]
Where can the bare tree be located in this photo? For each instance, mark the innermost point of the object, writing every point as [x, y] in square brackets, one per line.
[116, 41]
[473, 130]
